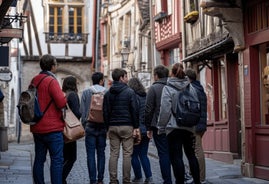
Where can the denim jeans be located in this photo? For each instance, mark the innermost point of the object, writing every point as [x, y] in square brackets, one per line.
[163, 153]
[70, 156]
[95, 140]
[140, 157]
[177, 139]
[53, 142]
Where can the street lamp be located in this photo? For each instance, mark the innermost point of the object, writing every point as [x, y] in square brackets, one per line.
[125, 56]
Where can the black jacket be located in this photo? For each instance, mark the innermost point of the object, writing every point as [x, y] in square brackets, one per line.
[119, 106]
[153, 103]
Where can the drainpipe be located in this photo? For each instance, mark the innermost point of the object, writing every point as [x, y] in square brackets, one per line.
[97, 35]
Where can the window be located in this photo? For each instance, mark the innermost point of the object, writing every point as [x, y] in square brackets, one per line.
[75, 19]
[65, 21]
[55, 20]
[257, 16]
[191, 5]
[222, 91]
[264, 78]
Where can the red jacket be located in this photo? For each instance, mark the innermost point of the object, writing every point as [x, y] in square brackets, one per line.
[52, 120]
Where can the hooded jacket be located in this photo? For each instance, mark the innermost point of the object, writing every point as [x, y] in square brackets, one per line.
[167, 121]
[120, 106]
[153, 102]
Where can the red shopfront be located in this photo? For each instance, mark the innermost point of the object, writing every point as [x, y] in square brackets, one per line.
[256, 90]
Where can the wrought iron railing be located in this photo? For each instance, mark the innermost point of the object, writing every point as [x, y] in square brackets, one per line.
[66, 37]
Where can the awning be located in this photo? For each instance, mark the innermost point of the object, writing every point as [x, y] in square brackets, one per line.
[211, 52]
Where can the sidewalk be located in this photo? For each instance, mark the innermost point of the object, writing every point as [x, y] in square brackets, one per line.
[15, 167]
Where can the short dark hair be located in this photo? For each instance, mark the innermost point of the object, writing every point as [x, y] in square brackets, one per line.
[97, 77]
[118, 73]
[70, 83]
[191, 74]
[47, 61]
[161, 71]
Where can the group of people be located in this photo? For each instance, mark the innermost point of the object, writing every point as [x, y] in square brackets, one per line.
[131, 116]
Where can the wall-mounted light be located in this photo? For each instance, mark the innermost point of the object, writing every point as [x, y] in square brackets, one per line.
[125, 56]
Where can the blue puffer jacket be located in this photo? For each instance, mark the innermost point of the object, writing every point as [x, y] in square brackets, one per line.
[119, 107]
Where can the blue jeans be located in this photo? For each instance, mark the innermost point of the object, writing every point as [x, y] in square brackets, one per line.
[140, 157]
[95, 140]
[53, 142]
[163, 153]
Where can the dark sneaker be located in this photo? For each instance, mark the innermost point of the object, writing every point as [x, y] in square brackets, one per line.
[137, 180]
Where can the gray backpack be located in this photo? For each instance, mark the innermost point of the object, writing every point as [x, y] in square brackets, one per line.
[188, 109]
[28, 106]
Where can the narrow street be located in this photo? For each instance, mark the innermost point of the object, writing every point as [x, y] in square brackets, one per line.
[79, 173]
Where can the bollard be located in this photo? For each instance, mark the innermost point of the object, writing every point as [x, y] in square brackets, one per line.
[3, 139]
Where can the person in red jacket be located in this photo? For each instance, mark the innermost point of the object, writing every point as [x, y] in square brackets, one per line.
[47, 132]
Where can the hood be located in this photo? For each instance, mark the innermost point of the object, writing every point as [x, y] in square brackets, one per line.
[97, 88]
[178, 83]
[117, 87]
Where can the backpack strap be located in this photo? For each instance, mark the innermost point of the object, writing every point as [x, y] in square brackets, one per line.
[50, 99]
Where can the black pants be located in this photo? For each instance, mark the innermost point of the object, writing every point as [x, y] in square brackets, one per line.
[177, 139]
[70, 156]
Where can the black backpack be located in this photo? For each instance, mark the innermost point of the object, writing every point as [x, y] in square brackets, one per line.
[28, 106]
[188, 109]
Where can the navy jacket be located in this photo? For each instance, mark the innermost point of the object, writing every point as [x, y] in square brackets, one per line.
[201, 126]
[120, 106]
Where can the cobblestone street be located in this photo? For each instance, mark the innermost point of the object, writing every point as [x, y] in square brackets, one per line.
[79, 173]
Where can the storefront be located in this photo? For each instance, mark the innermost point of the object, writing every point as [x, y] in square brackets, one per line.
[256, 90]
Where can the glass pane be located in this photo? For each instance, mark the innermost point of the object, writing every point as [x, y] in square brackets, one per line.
[71, 11]
[71, 29]
[51, 29]
[51, 20]
[264, 60]
[79, 29]
[60, 29]
[60, 11]
[78, 11]
[51, 10]
[223, 91]
[79, 21]
[59, 20]
[71, 21]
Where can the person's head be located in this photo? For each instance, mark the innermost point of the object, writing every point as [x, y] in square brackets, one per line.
[69, 84]
[177, 71]
[191, 74]
[160, 71]
[98, 78]
[48, 63]
[120, 75]
[136, 85]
